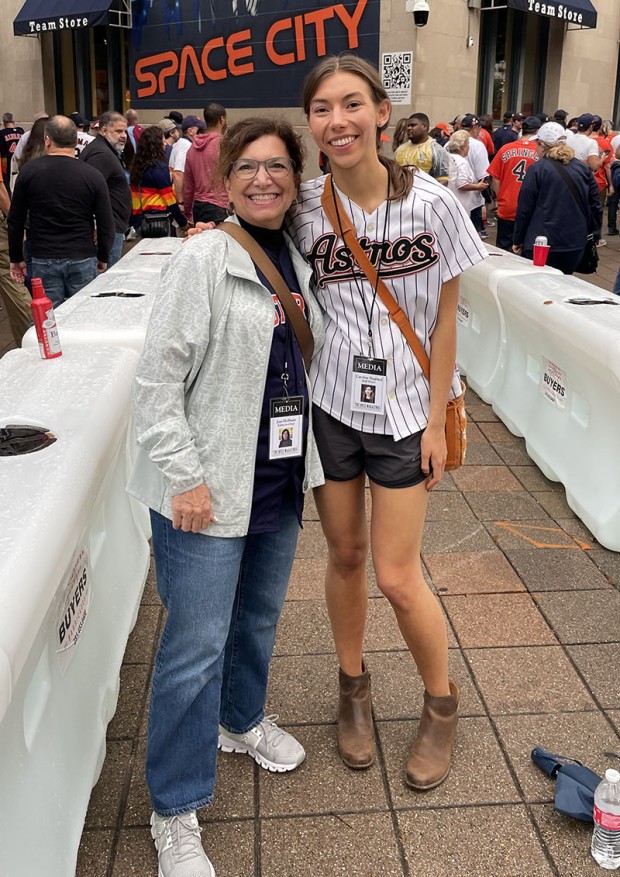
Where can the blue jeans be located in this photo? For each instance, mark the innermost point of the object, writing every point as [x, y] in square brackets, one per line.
[224, 598]
[62, 278]
[117, 248]
[616, 288]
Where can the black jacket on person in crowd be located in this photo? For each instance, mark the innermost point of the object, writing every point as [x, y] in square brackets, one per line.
[62, 197]
[547, 207]
[101, 155]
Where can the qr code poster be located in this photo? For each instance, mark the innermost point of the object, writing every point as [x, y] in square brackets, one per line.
[397, 73]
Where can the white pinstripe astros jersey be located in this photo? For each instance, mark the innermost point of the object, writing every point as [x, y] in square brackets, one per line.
[429, 239]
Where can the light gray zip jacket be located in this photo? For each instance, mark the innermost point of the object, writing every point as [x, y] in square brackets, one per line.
[201, 378]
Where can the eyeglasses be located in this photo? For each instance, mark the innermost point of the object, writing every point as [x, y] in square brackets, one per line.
[247, 168]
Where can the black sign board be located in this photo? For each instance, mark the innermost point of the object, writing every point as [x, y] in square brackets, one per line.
[241, 53]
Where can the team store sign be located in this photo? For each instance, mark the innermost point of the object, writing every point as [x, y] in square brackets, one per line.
[244, 60]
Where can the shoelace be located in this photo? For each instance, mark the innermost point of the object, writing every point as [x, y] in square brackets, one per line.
[187, 837]
[271, 730]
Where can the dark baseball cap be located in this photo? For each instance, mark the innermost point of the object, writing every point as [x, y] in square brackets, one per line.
[560, 114]
[508, 116]
[470, 121]
[78, 119]
[176, 117]
[584, 121]
[192, 122]
[531, 123]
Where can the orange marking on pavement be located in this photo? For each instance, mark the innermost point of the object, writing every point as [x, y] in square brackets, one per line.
[518, 531]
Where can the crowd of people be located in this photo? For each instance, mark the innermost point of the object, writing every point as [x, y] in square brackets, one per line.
[64, 220]
[497, 176]
[271, 366]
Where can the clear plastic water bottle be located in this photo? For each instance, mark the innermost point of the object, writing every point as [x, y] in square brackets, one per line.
[606, 835]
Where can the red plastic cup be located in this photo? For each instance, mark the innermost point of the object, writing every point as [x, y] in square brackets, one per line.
[540, 255]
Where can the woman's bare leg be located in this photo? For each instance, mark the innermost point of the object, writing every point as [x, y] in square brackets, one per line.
[397, 525]
[342, 511]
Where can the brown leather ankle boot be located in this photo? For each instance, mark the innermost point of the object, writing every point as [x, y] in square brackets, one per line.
[429, 760]
[356, 741]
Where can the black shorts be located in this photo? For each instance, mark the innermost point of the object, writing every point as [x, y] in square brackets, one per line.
[346, 453]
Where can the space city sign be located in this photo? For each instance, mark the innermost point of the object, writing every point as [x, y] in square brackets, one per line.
[241, 53]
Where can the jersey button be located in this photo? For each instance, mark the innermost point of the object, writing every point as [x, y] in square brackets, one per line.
[392, 394]
[370, 228]
[384, 321]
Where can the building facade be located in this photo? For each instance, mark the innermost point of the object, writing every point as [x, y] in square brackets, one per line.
[484, 56]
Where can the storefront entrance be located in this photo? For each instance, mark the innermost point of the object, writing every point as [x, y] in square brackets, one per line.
[91, 70]
[513, 61]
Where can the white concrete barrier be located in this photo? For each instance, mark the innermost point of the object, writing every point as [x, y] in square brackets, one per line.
[95, 316]
[73, 562]
[480, 324]
[560, 389]
[112, 310]
[149, 255]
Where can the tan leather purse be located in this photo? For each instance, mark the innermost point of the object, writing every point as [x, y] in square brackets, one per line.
[456, 420]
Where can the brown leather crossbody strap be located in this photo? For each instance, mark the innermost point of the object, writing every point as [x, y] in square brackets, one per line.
[340, 222]
[266, 266]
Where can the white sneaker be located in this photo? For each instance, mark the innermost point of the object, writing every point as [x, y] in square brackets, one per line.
[270, 747]
[131, 234]
[177, 840]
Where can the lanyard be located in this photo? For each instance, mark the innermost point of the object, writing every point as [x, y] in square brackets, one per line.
[355, 280]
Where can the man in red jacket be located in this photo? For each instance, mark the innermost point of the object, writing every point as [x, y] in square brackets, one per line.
[204, 196]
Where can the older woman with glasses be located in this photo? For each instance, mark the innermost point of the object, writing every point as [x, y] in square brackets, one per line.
[225, 492]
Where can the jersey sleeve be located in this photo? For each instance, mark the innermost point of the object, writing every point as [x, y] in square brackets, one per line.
[304, 213]
[456, 239]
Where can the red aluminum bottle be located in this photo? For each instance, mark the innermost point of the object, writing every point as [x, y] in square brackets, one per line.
[44, 322]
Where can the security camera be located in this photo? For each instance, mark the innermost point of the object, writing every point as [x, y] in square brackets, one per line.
[420, 11]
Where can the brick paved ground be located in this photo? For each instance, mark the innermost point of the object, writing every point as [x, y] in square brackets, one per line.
[534, 644]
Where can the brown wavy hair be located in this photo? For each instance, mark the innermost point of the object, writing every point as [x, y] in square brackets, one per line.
[401, 179]
[239, 135]
[149, 151]
[35, 145]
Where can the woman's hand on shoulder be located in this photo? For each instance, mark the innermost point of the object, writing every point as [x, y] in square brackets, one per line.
[191, 511]
[434, 454]
[200, 227]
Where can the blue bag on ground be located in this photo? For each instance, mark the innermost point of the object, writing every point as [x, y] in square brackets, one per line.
[574, 783]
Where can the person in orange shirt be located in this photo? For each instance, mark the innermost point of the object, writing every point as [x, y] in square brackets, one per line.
[508, 170]
[603, 174]
[486, 134]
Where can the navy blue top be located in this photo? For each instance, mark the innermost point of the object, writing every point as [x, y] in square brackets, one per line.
[547, 207]
[278, 481]
[504, 135]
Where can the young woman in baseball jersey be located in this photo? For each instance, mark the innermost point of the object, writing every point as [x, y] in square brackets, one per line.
[419, 239]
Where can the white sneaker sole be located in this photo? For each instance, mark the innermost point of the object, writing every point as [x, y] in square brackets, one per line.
[228, 745]
[160, 873]
[212, 873]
